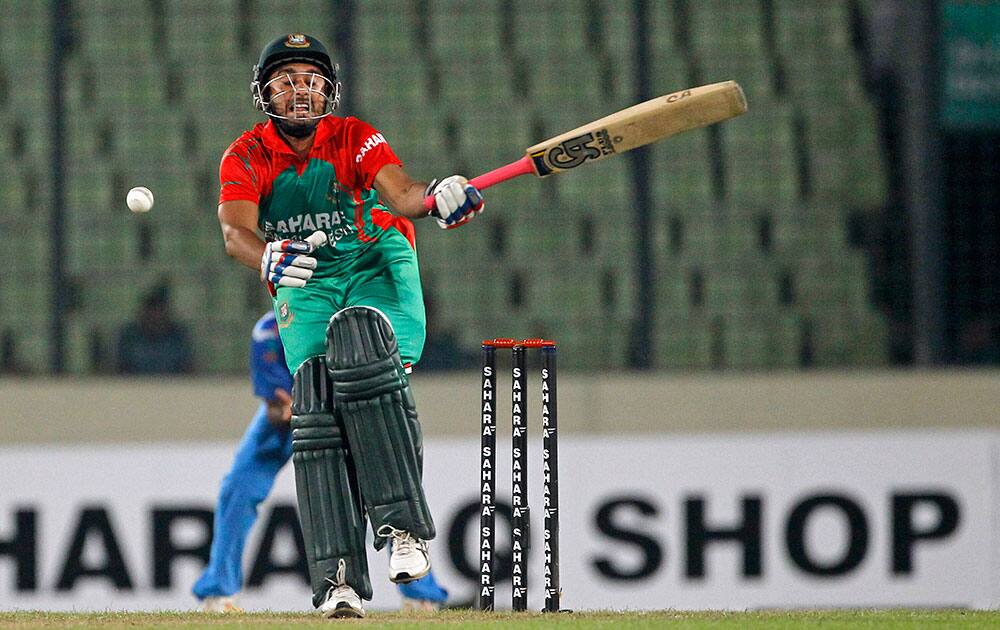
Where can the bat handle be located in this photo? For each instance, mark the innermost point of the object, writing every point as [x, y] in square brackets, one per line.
[497, 175]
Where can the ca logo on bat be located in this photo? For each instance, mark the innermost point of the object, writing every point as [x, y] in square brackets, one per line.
[573, 152]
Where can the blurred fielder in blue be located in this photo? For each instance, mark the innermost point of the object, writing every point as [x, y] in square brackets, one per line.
[265, 448]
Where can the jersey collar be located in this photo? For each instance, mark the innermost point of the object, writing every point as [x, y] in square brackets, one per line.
[273, 141]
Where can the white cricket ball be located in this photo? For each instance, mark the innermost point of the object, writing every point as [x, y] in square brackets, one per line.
[139, 199]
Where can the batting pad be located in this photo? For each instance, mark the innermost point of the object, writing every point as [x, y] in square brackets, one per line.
[333, 524]
[372, 395]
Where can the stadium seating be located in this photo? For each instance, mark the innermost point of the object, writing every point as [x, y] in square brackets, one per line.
[751, 265]
[25, 309]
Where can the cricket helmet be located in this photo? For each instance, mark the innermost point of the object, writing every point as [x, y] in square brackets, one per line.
[290, 48]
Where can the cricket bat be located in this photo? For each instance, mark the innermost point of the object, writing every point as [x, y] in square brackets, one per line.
[622, 131]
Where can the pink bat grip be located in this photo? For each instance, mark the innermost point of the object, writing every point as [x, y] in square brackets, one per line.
[497, 175]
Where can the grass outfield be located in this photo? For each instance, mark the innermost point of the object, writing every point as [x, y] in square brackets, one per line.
[470, 619]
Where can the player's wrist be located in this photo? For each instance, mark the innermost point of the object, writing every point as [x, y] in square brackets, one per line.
[453, 201]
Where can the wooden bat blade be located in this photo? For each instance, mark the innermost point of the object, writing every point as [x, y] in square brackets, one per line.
[639, 125]
[627, 129]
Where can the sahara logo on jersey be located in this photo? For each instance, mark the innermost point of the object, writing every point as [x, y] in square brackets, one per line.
[292, 227]
[373, 141]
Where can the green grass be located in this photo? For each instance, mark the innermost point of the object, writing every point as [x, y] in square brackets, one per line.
[472, 619]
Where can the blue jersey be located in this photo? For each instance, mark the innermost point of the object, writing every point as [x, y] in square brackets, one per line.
[268, 370]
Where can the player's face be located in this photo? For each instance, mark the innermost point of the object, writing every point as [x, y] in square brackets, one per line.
[298, 92]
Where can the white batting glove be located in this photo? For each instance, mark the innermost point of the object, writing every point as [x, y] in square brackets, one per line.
[287, 263]
[456, 201]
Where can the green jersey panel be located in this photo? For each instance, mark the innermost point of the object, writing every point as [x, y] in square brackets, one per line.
[301, 203]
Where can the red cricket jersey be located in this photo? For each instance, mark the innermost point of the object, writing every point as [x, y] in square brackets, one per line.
[330, 190]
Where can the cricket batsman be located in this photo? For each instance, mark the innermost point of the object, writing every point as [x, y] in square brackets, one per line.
[265, 449]
[342, 270]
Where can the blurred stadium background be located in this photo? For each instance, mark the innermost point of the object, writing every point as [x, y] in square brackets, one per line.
[849, 221]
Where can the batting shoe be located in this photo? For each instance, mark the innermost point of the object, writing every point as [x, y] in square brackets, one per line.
[409, 560]
[225, 604]
[342, 601]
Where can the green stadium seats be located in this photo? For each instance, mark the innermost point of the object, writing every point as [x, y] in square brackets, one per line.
[812, 26]
[563, 73]
[83, 139]
[548, 233]
[313, 17]
[747, 342]
[752, 268]
[619, 28]
[672, 289]
[701, 238]
[730, 28]
[751, 231]
[150, 142]
[13, 196]
[761, 293]
[573, 294]
[598, 345]
[78, 350]
[543, 28]
[33, 343]
[8, 134]
[202, 33]
[814, 42]
[683, 343]
[384, 31]
[489, 135]
[825, 80]
[785, 341]
[869, 347]
[761, 157]
[668, 71]
[723, 289]
[25, 36]
[219, 93]
[606, 186]
[680, 171]
[491, 76]
[846, 156]
[120, 88]
[753, 73]
[89, 192]
[110, 29]
[419, 143]
[458, 28]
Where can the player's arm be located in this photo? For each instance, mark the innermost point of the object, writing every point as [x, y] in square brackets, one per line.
[286, 263]
[269, 373]
[238, 220]
[456, 201]
[404, 194]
